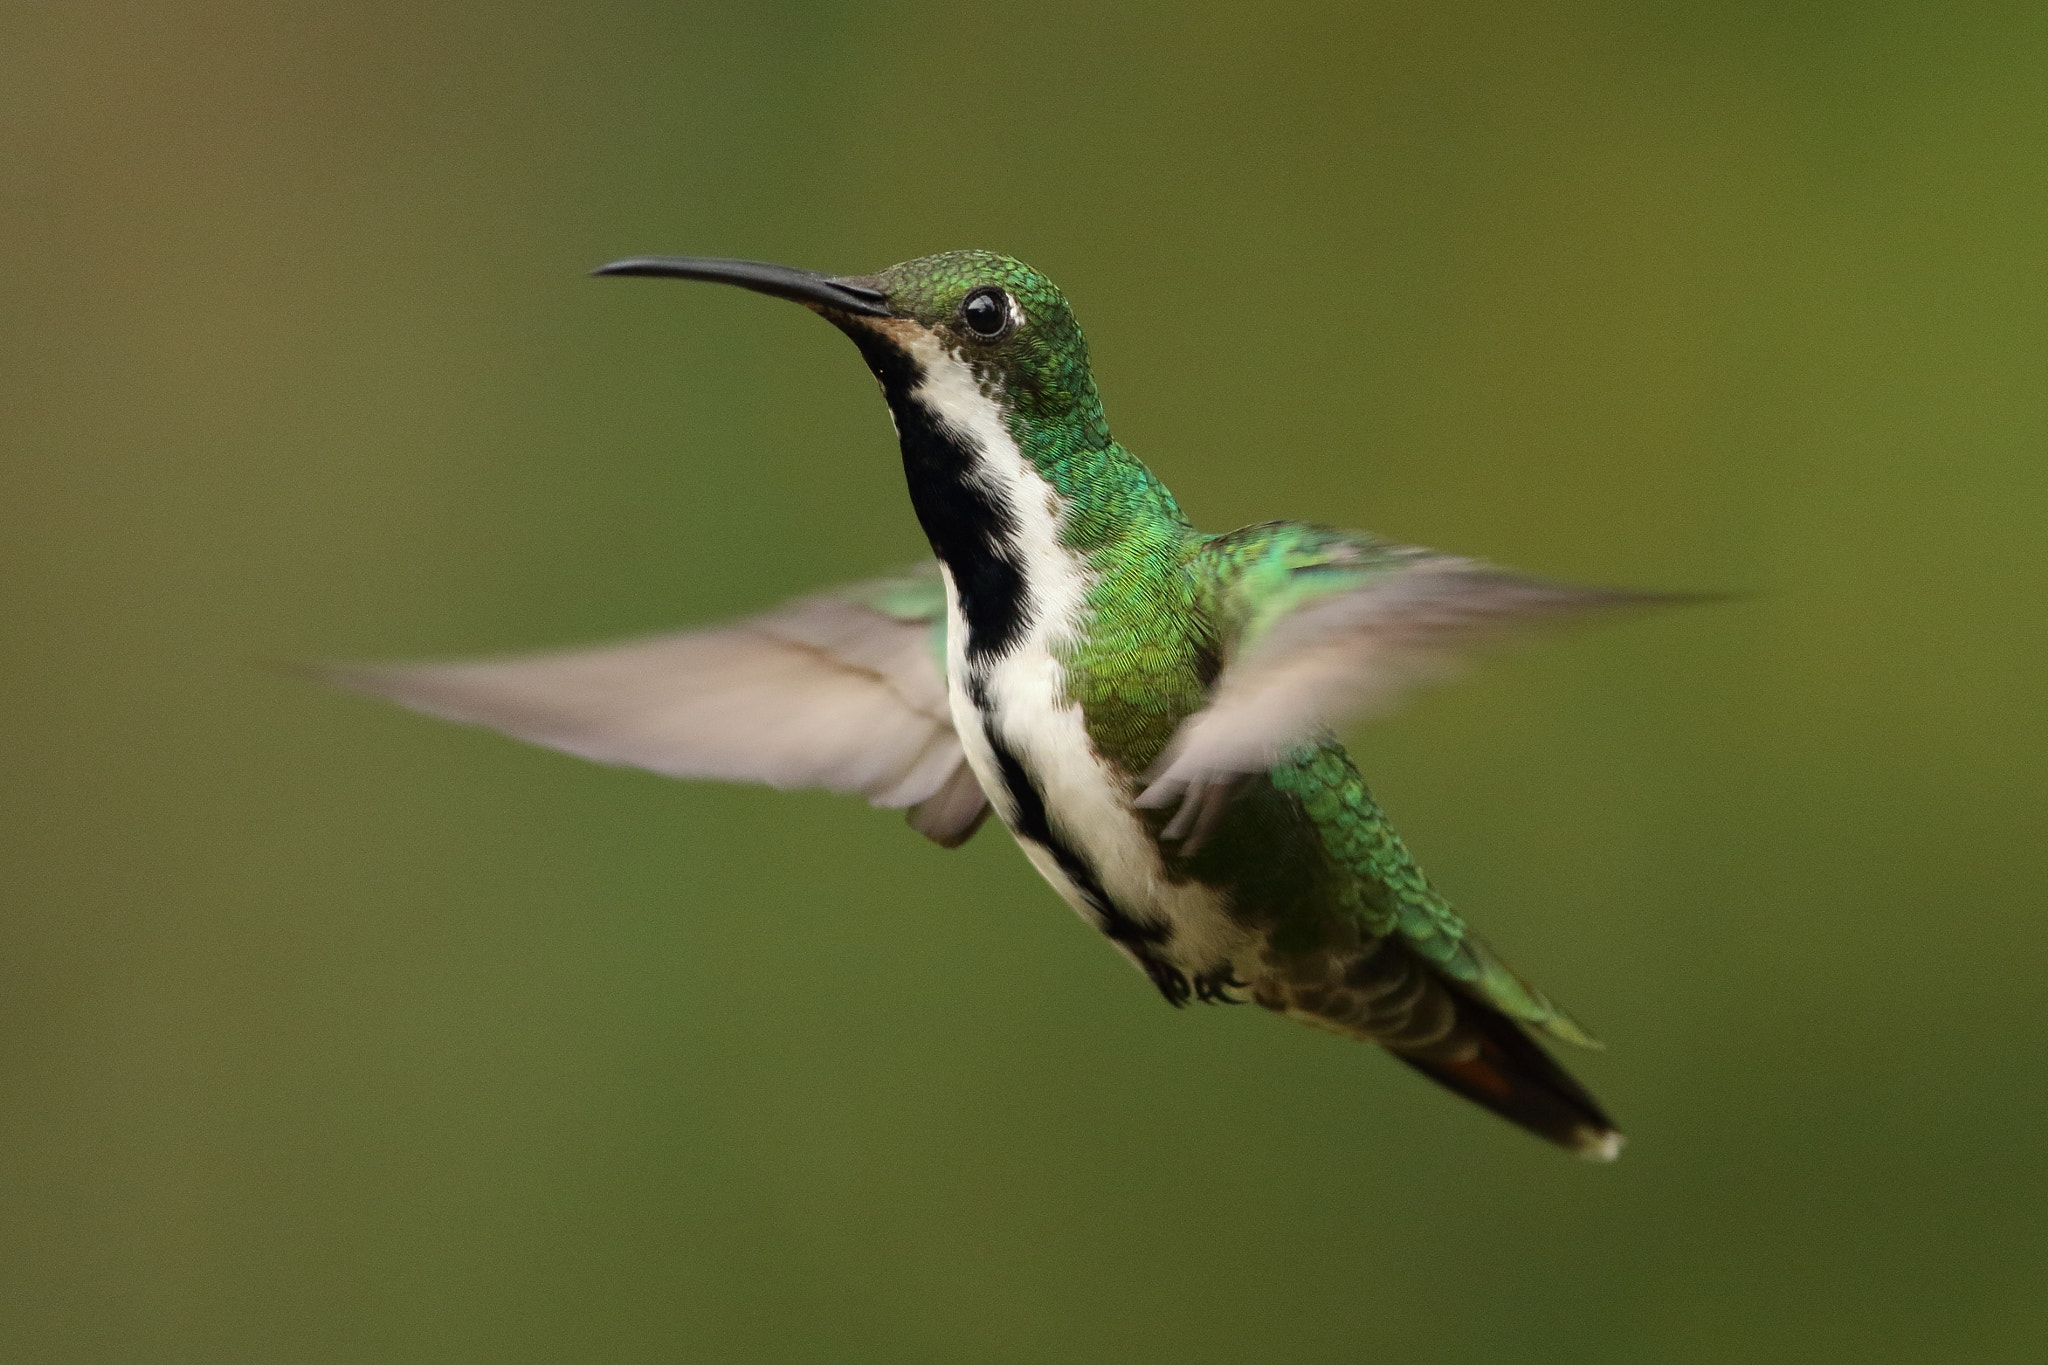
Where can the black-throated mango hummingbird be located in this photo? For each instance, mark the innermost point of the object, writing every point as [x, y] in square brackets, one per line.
[1152, 711]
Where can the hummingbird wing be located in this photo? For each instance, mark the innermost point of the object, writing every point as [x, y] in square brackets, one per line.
[844, 690]
[1318, 628]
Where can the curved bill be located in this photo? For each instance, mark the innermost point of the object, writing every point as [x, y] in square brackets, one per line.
[781, 281]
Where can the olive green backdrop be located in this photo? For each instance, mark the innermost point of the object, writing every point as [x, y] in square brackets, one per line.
[331, 1034]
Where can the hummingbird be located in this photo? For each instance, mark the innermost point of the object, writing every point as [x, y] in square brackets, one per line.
[1151, 711]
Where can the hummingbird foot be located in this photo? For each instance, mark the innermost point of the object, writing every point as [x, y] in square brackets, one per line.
[1214, 986]
[1170, 980]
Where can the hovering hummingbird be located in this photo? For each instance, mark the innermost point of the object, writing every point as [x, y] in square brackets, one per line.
[1152, 711]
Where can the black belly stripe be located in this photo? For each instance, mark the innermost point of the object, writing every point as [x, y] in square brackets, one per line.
[971, 527]
[1140, 939]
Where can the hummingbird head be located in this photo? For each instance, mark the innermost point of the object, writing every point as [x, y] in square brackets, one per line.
[1005, 449]
[961, 335]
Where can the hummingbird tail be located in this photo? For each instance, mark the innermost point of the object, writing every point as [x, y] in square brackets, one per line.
[1489, 1060]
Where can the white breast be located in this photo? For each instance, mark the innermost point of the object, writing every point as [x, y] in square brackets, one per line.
[1088, 802]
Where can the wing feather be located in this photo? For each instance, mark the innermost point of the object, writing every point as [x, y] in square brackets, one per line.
[843, 691]
[1335, 627]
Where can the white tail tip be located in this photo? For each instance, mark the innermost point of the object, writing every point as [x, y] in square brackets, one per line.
[1600, 1146]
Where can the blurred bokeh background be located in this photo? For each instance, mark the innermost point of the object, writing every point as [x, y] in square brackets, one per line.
[330, 1034]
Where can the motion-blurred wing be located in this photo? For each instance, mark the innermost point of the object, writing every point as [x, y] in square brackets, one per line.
[844, 691]
[1321, 627]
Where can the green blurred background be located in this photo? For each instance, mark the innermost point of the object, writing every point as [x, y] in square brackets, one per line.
[335, 1035]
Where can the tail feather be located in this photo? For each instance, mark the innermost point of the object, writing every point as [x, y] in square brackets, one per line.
[1490, 1061]
[1383, 991]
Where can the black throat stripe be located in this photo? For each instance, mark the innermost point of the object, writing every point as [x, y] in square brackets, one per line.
[971, 528]
[973, 531]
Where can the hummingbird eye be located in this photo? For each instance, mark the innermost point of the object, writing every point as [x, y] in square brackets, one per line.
[986, 314]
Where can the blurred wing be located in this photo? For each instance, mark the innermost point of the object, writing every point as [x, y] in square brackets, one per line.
[1322, 628]
[844, 691]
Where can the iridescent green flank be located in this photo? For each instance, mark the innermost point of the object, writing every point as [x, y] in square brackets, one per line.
[1386, 893]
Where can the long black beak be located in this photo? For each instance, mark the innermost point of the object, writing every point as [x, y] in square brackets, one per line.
[782, 281]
